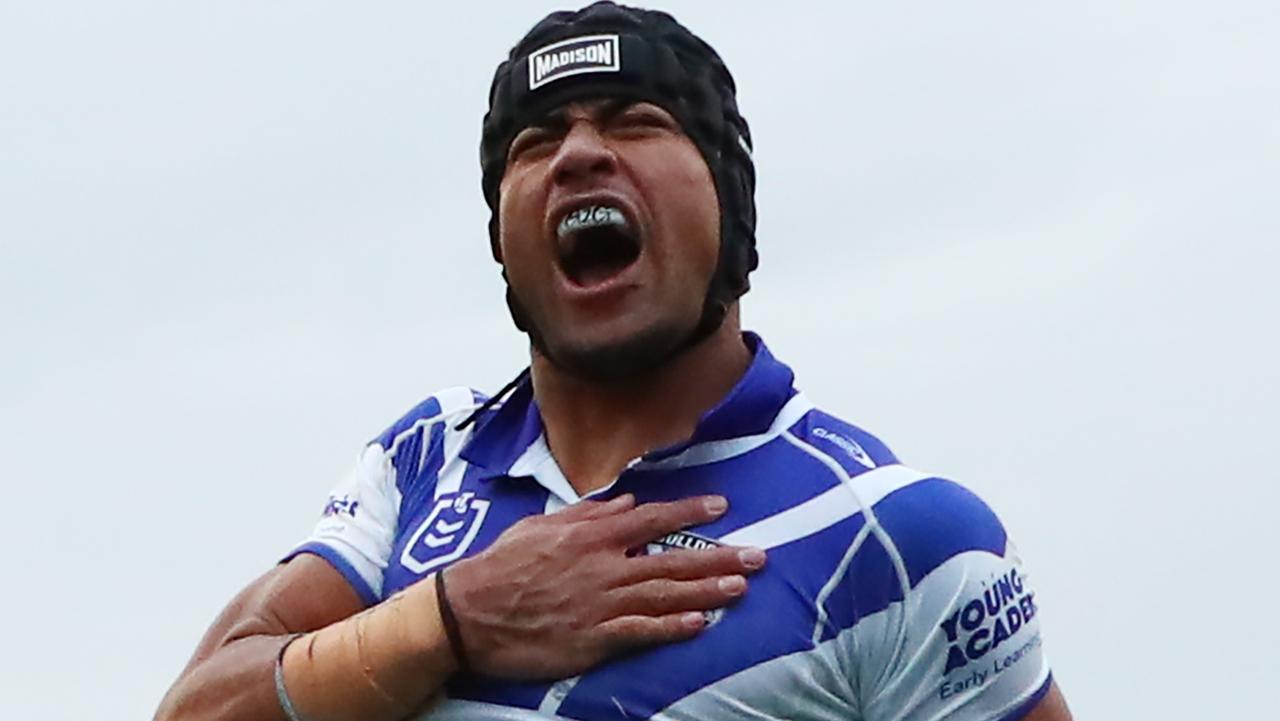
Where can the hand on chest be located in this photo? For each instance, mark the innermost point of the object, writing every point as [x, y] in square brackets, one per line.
[770, 635]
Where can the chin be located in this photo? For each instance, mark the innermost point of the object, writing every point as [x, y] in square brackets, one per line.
[619, 358]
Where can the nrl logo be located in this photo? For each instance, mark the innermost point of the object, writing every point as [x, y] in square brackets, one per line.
[446, 533]
[587, 54]
[687, 541]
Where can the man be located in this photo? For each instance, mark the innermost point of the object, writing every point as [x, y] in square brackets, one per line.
[594, 546]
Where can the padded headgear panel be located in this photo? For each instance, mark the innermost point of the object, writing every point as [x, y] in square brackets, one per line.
[609, 50]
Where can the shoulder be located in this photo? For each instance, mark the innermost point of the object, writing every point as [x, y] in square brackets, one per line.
[966, 631]
[852, 448]
[926, 517]
[410, 453]
[961, 629]
[938, 609]
[443, 408]
[917, 521]
[930, 520]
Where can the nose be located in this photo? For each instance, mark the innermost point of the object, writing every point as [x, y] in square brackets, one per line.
[583, 157]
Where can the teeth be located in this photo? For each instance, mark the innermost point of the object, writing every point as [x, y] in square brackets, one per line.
[592, 216]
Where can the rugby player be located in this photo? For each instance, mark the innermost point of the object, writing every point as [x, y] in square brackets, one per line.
[591, 542]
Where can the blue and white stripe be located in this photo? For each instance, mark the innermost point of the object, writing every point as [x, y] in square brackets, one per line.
[868, 559]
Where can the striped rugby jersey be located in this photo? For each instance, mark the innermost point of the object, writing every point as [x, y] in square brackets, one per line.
[889, 593]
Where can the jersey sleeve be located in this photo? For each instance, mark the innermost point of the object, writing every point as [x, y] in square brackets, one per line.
[357, 528]
[964, 643]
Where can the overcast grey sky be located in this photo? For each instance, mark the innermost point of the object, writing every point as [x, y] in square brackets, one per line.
[1031, 245]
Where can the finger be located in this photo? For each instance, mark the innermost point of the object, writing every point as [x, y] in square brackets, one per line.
[589, 510]
[688, 565]
[649, 521]
[661, 596]
[627, 632]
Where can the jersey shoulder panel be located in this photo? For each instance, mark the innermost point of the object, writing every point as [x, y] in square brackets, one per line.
[855, 449]
[931, 520]
[417, 445]
[357, 531]
[450, 405]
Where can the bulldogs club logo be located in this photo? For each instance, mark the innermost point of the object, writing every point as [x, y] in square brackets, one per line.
[446, 533]
[687, 541]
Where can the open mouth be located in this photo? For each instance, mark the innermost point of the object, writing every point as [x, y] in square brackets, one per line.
[596, 243]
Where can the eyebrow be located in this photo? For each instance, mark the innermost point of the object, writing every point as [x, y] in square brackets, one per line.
[606, 108]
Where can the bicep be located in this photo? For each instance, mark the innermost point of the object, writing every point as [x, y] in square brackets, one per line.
[334, 574]
[303, 594]
[229, 676]
[1053, 707]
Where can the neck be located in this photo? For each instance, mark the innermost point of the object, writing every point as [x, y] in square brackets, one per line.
[594, 429]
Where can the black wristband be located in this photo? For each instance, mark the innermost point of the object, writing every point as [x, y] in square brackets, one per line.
[450, 622]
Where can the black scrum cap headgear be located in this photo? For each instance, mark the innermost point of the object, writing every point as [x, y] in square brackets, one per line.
[609, 50]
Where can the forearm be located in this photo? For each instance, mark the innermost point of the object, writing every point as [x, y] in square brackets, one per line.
[379, 665]
[235, 682]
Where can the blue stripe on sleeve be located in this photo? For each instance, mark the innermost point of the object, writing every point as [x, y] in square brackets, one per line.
[412, 480]
[407, 456]
[335, 559]
[1026, 707]
[935, 519]
[927, 523]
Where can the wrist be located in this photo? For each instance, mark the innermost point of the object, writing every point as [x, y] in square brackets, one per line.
[380, 664]
[450, 622]
[425, 636]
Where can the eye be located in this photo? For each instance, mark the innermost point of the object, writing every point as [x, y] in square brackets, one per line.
[643, 116]
[531, 143]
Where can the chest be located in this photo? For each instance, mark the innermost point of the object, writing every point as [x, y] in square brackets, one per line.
[772, 655]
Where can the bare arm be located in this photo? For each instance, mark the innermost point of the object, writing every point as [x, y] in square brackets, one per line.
[230, 674]
[1053, 707]
[520, 605]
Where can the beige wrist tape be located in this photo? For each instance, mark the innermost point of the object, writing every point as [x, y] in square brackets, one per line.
[379, 664]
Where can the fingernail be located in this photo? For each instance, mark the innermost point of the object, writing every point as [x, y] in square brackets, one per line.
[717, 504]
[732, 584]
[751, 557]
[693, 619]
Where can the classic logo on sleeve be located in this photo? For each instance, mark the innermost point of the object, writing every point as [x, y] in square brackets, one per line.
[587, 54]
[850, 447]
[446, 533]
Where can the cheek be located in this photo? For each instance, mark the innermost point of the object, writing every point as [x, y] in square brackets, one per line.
[693, 222]
[518, 222]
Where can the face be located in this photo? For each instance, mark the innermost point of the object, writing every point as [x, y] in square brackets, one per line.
[610, 233]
